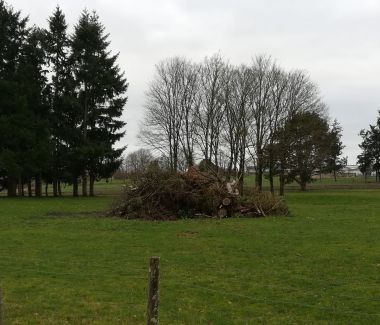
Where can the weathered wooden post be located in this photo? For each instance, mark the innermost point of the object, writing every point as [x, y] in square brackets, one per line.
[154, 274]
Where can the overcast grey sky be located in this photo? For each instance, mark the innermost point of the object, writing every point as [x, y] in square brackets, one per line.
[336, 41]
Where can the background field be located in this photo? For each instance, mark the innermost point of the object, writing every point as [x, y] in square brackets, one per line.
[62, 262]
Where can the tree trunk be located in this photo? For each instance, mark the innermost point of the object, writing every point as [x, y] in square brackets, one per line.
[303, 185]
[241, 173]
[92, 181]
[259, 176]
[85, 121]
[271, 184]
[229, 168]
[38, 186]
[282, 183]
[335, 175]
[59, 188]
[30, 188]
[46, 189]
[20, 186]
[84, 183]
[190, 159]
[55, 187]
[75, 186]
[12, 187]
[241, 184]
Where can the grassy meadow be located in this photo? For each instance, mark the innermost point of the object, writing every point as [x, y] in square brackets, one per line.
[63, 262]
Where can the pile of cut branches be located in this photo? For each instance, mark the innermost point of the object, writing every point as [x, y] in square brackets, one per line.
[262, 204]
[162, 195]
[165, 195]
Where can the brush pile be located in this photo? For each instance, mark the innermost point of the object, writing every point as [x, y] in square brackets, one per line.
[262, 204]
[162, 195]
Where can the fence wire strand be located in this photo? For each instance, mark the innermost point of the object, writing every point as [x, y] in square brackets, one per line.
[273, 301]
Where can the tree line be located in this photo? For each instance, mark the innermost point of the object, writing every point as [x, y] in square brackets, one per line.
[61, 101]
[230, 116]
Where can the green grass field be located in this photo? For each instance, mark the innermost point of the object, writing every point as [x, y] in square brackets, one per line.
[61, 262]
[324, 183]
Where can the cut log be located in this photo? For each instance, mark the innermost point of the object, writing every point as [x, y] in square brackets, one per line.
[222, 213]
[226, 201]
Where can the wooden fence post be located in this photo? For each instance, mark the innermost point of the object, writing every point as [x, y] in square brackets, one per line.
[154, 274]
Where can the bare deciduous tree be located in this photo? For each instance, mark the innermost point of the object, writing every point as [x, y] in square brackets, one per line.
[138, 161]
[172, 99]
[163, 119]
[210, 112]
[189, 106]
[227, 114]
[238, 117]
[260, 103]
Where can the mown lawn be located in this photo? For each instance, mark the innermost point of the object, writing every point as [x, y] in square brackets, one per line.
[62, 263]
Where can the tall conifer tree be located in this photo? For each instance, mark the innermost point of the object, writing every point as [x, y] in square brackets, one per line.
[61, 98]
[101, 89]
[33, 81]
[15, 126]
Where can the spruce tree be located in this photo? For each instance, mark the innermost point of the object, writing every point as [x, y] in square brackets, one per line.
[33, 84]
[335, 162]
[16, 130]
[61, 99]
[101, 89]
[369, 159]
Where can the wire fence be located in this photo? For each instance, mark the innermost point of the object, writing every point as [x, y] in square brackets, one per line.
[348, 304]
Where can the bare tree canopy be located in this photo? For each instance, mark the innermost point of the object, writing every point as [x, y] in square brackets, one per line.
[225, 115]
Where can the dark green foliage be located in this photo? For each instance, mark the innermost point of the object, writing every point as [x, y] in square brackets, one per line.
[303, 146]
[24, 137]
[61, 100]
[369, 159]
[13, 34]
[334, 162]
[100, 88]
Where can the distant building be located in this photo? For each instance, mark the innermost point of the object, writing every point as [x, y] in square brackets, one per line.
[351, 170]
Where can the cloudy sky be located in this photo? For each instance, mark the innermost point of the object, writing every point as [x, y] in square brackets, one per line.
[336, 41]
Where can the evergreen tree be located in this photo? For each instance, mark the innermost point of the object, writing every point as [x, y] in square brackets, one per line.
[101, 89]
[13, 33]
[32, 79]
[15, 126]
[61, 99]
[364, 159]
[334, 162]
[369, 159]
